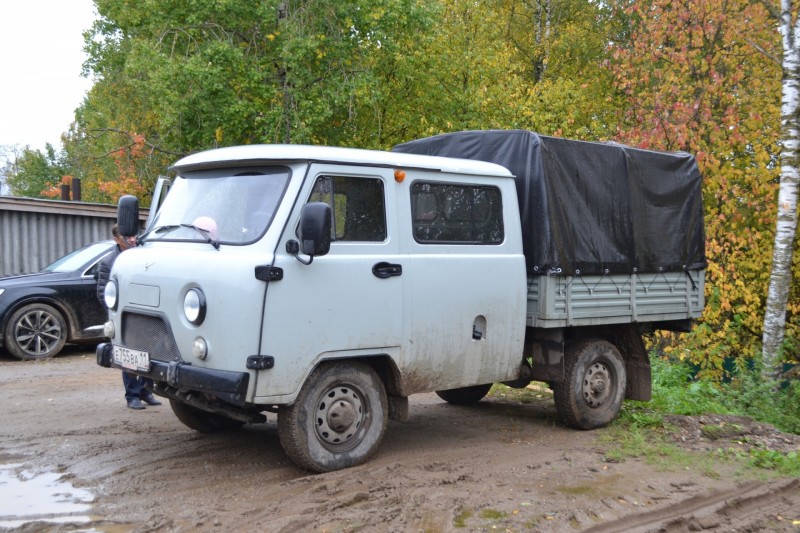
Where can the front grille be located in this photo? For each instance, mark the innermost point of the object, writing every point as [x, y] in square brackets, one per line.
[151, 334]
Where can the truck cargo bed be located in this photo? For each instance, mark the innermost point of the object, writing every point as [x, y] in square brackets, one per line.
[589, 300]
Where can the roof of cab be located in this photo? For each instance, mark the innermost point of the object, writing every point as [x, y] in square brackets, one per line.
[273, 153]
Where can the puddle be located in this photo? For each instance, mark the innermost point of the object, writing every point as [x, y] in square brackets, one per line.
[27, 497]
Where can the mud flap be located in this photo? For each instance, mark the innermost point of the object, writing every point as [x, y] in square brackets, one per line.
[398, 408]
[545, 347]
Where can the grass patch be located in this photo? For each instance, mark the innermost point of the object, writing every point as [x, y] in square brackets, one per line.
[461, 518]
[779, 463]
[641, 431]
[746, 394]
[492, 514]
[535, 392]
[650, 442]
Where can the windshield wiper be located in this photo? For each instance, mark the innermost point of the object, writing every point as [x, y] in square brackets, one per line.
[205, 233]
[159, 229]
[164, 229]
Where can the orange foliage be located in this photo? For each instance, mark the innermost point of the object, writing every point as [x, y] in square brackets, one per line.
[54, 190]
[125, 160]
[696, 90]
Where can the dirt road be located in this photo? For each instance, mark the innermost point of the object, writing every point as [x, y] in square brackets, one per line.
[498, 466]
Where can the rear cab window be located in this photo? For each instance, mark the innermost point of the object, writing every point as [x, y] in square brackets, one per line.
[446, 213]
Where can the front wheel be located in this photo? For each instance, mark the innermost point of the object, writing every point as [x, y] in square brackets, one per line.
[35, 331]
[594, 385]
[338, 419]
[202, 421]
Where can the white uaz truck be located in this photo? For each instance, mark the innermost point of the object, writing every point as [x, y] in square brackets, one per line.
[329, 284]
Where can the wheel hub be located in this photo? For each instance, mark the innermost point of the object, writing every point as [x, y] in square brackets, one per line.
[37, 332]
[597, 385]
[339, 415]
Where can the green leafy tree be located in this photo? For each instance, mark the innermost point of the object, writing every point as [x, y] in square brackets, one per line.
[205, 73]
[32, 172]
[501, 64]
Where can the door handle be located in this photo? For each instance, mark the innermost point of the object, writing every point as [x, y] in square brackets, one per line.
[385, 270]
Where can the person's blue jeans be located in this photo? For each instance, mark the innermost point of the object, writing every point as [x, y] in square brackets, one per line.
[135, 386]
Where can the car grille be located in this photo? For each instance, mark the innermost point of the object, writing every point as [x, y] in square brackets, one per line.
[151, 334]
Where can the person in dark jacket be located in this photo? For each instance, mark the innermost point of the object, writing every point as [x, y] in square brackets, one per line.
[136, 392]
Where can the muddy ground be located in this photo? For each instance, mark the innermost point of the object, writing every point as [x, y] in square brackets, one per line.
[498, 466]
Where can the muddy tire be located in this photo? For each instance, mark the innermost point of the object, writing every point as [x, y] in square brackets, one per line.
[594, 386]
[35, 331]
[338, 419]
[202, 421]
[464, 395]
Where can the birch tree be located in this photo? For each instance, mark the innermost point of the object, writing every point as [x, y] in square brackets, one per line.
[781, 274]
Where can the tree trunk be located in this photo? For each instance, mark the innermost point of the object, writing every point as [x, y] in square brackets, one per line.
[781, 275]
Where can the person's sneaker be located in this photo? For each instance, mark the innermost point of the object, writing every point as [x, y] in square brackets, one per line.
[149, 399]
[136, 403]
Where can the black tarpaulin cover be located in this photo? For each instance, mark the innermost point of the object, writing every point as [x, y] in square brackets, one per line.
[592, 208]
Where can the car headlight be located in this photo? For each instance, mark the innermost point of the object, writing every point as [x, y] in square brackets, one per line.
[194, 306]
[110, 295]
[2, 291]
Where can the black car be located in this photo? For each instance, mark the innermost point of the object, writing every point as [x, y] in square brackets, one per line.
[41, 312]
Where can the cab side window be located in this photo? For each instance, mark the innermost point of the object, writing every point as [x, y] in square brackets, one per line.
[456, 214]
[359, 212]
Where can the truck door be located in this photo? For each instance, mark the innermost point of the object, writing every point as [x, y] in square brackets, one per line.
[347, 303]
[464, 276]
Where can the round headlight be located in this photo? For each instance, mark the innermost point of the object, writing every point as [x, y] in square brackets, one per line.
[110, 295]
[194, 306]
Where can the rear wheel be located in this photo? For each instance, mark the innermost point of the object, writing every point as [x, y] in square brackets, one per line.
[338, 419]
[594, 386]
[202, 421]
[465, 395]
[35, 331]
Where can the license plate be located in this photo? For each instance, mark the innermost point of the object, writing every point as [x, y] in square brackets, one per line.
[131, 359]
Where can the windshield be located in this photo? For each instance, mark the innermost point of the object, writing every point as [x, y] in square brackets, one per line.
[78, 258]
[231, 206]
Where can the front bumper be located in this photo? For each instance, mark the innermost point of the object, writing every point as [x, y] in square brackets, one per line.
[228, 386]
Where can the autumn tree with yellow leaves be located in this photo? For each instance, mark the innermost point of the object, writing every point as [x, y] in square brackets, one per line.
[697, 76]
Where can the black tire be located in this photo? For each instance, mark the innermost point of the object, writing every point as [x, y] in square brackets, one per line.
[202, 421]
[35, 331]
[465, 395]
[338, 419]
[594, 386]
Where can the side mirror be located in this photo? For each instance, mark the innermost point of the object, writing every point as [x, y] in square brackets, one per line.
[315, 229]
[128, 216]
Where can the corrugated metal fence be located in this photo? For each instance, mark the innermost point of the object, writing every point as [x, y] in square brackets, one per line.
[34, 233]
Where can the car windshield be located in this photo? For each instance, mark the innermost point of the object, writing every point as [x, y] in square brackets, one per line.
[78, 258]
[229, 206]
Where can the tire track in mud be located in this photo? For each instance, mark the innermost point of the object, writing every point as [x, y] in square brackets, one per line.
[753, 506]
